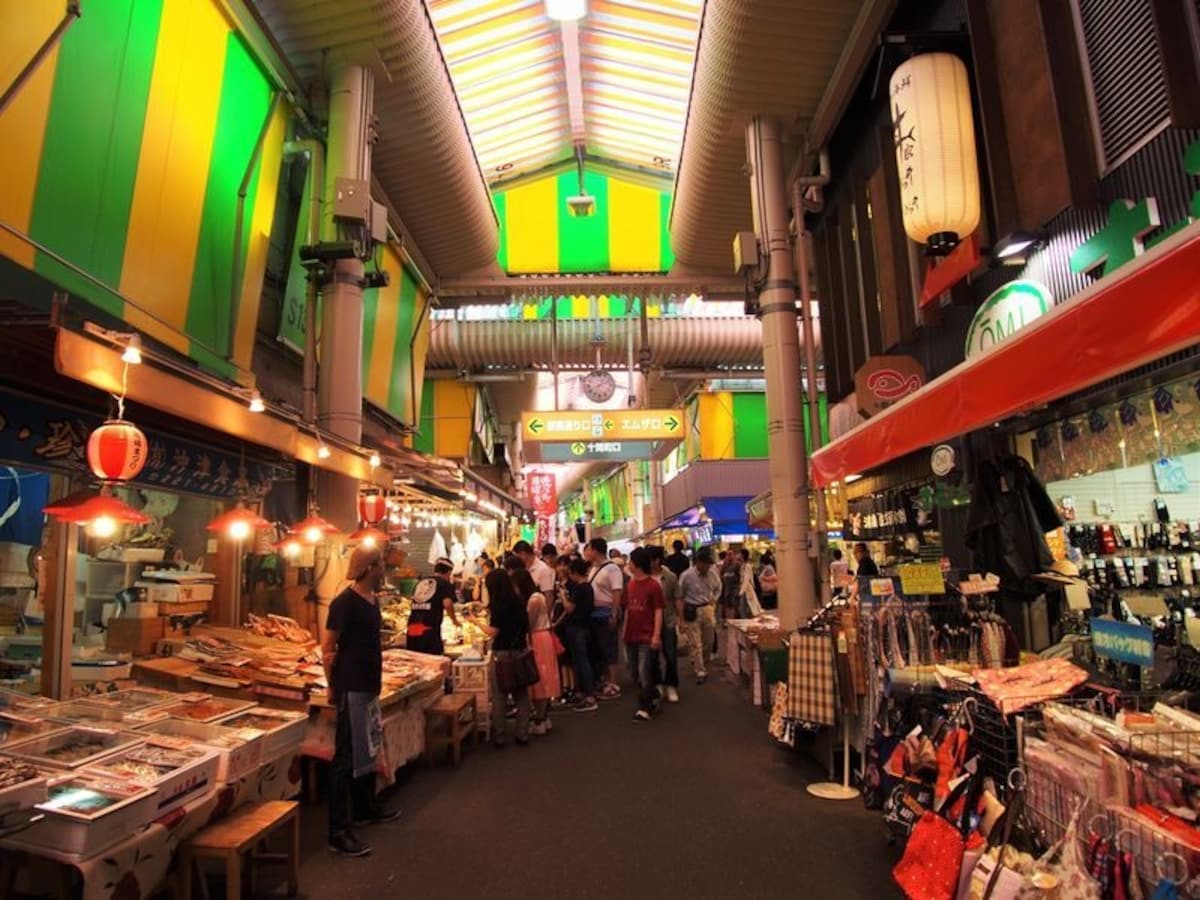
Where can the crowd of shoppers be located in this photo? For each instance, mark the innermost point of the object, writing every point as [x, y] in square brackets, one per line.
[571, 615]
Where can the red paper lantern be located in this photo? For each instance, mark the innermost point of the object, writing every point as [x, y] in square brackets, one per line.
[372, 508]
[117, 450]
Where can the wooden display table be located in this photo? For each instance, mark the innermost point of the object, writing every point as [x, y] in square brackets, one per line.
[448, 723]
[243, 831]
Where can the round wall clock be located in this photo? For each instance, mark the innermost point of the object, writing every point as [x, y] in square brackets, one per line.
[599, 386]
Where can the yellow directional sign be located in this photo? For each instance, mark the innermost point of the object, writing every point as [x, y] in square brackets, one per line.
[611, 425]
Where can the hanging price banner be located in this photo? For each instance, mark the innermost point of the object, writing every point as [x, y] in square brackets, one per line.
[921, 578]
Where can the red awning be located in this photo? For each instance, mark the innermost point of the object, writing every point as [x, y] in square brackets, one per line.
[1142, 312]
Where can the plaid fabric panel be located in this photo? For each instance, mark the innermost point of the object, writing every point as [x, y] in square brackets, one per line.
[811, 686]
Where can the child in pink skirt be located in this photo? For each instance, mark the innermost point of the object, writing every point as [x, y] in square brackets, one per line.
[545, 653]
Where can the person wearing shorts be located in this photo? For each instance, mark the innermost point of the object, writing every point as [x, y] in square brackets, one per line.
[608, 588]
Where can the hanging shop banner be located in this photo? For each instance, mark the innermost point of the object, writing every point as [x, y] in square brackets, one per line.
[47, 436]
[611, 424]
[1006, 312]
[885, 380]
[1123, 641]
[543, 493]
[921, 578]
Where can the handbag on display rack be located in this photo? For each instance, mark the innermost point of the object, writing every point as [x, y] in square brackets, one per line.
[516, 672]
[930, 866]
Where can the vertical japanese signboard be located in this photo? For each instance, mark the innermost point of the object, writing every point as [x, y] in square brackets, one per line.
[543, 492]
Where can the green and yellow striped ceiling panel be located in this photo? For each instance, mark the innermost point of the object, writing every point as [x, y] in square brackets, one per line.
[626, 233]
[124, 155]
[395, 340]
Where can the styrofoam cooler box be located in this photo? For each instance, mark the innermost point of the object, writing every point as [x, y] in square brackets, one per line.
[86, 814]
[169, 592]
[177, 774]
[24, 795]
[239, 751]
[282, 729]
[84, 713]
[470, 676]
[73, 747]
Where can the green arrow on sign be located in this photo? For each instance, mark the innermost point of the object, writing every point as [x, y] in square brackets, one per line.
[578, 448]
[671, 422]
[608, 425]
[536, 425]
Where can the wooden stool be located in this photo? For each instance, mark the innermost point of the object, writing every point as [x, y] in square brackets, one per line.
[456, 712]
[245, 829]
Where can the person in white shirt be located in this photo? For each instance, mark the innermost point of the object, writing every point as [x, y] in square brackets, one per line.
[608, 588]
[700, 588]
[543, 575]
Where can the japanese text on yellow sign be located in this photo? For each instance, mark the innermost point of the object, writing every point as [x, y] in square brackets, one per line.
[610, 425]
[921, 578]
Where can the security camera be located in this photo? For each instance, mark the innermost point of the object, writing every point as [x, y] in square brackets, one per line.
[581, 205]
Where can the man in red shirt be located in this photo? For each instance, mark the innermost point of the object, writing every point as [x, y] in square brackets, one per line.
[644, 604]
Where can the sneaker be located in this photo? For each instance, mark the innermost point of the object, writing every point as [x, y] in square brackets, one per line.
[672, 695]
[549, 725]
[379, 816]
[641, 715]
[538, 728]
[610, 691]
[588, 704]
[700, 679]
[346, 844]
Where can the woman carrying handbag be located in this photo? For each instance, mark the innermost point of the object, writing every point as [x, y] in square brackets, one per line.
[514, 668]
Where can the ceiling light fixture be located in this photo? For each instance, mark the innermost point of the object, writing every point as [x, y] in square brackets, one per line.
[323, 451]
[566, 10]
[374, 460]
[1013, 248]
[133, 350]
[256, 403]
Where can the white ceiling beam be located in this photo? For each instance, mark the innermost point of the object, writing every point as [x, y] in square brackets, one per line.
[573, 71]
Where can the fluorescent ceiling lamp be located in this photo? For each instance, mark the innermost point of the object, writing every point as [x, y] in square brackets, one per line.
[1016, 244]
[850, 479]
[256, 403]
[566, 10]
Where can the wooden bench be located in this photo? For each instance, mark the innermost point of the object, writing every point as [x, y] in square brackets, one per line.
[448, 723]
[244, 830]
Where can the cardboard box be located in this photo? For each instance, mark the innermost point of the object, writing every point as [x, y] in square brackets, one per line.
[136, 636]
[169, 592]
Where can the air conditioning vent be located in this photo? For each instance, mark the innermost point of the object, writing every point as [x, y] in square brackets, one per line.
[1128, 81]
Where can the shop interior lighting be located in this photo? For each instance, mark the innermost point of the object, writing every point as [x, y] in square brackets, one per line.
[133, 350]
[1013, 248]
[368, 537]
[238, 523]
[256, 404]
[374, 460]
[100, 512]
[566, 10]
[850, 479]
[313, 529]
[323, 451]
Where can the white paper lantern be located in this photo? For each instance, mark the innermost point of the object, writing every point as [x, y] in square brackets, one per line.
[935, 150]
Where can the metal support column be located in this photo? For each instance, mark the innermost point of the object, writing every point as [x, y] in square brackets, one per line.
[339, 388]
[781, 360]
[821, 525]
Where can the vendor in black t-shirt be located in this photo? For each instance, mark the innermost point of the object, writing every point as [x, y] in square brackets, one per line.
[862, 559]
[353, 657]
[432, 599]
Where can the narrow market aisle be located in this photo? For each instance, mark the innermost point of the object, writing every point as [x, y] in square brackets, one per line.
[699, 803]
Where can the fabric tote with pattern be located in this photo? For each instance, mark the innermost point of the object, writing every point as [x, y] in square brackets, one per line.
[811, 686]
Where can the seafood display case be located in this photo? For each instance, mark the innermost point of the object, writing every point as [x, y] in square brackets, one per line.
[282, 729]
[77, 712]
[204, 708]
[239, 752]
[73, 747]
[177, 774]
[86, 813]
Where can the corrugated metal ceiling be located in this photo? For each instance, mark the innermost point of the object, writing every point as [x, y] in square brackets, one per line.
[507, 60]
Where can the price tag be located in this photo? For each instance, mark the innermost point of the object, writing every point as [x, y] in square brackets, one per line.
[882, 587]
[978, 584]
[922, 578]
